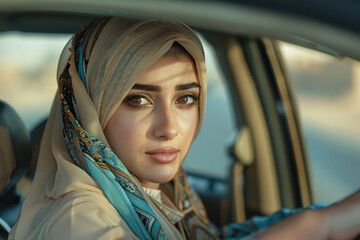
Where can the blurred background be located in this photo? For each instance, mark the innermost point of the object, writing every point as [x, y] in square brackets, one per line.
[326, 88]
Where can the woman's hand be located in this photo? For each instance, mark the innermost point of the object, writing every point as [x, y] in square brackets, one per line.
[343, 218]
[338, 221]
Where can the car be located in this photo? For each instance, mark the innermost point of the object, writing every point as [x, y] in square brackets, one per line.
[257, 153]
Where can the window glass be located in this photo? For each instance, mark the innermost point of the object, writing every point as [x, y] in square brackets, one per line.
[327, 92]
[28, 65]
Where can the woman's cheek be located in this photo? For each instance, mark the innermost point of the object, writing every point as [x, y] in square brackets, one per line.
[188, 122]
[130, 128]
[135, 125]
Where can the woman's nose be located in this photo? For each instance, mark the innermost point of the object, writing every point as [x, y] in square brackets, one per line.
[166, 127]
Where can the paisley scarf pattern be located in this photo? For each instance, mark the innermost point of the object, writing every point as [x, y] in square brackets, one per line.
[195, 222]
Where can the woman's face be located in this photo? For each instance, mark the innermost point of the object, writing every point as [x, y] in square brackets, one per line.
[153, 128]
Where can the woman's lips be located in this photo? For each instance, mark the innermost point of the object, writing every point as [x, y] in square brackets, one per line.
[163, 155]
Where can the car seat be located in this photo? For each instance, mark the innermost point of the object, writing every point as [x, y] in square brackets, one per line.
[15, 156]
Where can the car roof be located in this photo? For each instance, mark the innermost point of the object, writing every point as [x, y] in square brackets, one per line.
[332, 26]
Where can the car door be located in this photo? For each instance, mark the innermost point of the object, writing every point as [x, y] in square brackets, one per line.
[270, 169]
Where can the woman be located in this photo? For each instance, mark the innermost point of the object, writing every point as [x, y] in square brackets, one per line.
[131, 100]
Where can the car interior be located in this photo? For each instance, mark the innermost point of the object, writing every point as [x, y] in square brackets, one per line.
[263, 194]
[269, 167]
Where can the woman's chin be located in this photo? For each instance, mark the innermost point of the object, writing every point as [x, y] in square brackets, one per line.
[163, 178]
[157, 178]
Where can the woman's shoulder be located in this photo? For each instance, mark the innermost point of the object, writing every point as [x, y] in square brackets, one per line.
[81, 214]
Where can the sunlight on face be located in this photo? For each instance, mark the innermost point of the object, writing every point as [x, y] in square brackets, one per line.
[153, 128]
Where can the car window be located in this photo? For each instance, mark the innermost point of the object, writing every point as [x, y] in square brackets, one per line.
[28, 65]
[327, 92]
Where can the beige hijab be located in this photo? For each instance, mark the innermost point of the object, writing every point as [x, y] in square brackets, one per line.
[64, 201]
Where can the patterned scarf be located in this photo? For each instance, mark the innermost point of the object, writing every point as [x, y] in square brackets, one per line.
[98, 160]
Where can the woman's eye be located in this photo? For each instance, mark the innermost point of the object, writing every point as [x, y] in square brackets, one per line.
[186, 100]
[137, 100]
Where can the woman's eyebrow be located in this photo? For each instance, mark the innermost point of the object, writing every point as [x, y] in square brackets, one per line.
[187, 86]
[152, 88]
[155, 88]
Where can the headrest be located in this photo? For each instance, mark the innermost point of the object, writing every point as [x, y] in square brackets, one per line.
[15, 148]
